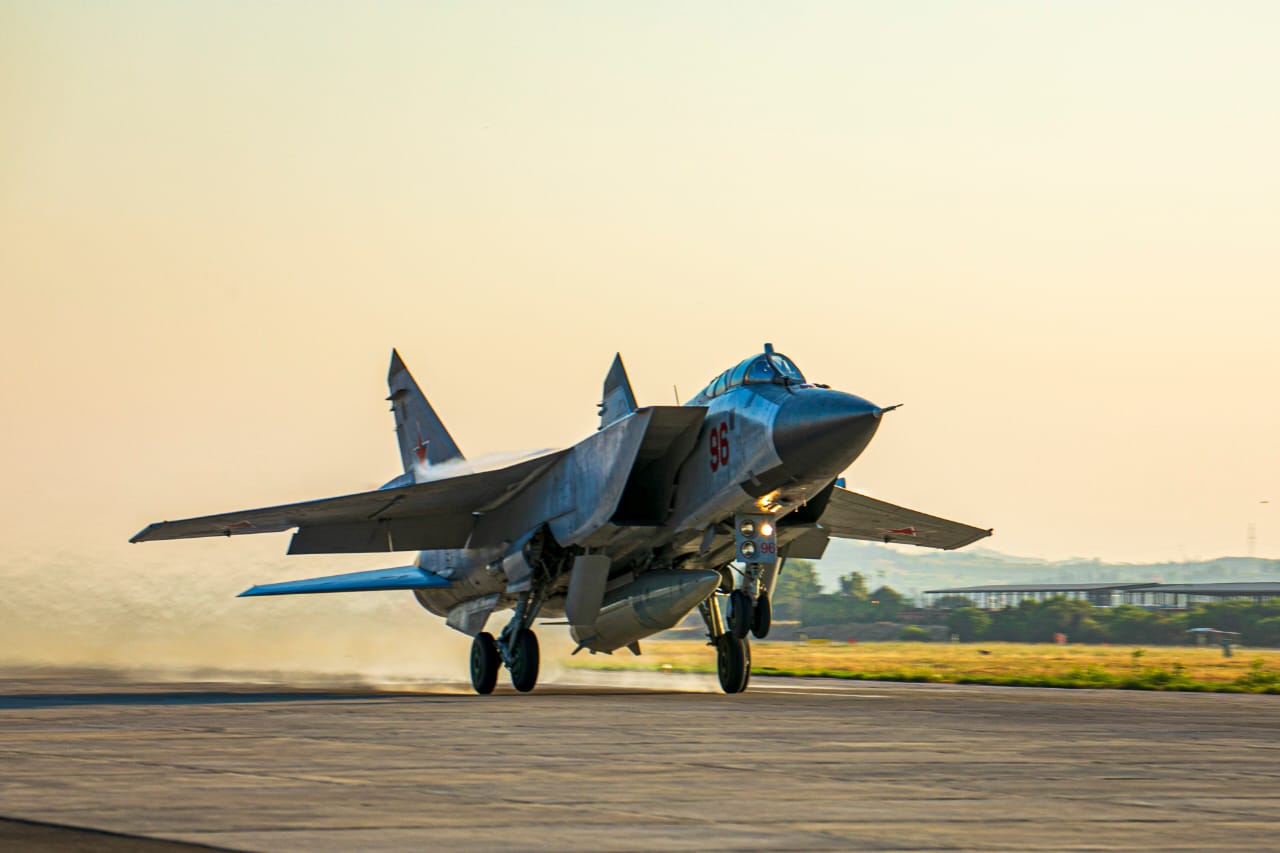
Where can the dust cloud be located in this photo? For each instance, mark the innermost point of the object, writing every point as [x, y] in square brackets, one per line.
[181, 618]
[163, 618]
[639, 679]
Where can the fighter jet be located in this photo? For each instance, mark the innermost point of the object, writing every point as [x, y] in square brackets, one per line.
[662, 510]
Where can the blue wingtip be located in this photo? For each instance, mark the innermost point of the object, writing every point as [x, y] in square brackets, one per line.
[378, 580]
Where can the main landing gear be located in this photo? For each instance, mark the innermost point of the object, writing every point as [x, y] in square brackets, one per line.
[516, 649]
[487, 659]
[485, 663]
[733, 650]
[750, 612]
[524, 660]
[733, 663]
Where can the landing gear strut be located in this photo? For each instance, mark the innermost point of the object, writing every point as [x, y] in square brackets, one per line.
[516, 649]
[537, 569]
[757, 611]
[733, 652]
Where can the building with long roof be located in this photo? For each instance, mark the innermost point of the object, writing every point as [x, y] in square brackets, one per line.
[1181, 595]
[1109, 594]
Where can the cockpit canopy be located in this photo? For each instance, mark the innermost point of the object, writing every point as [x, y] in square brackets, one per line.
[767, 367]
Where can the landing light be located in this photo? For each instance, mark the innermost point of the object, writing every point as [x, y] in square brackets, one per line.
[755, 539]
[766, 502]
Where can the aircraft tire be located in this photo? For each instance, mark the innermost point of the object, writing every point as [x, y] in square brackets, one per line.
[740, 613]
[733, 663]
[762, 617]
[524, 671]
[485, 663]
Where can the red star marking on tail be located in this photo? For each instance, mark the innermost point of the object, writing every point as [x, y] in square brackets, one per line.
[421, 450]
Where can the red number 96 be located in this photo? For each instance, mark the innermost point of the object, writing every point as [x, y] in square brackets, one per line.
[718, 441]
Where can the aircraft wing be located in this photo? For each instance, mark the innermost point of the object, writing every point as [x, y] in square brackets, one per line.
[403, 577]
[850, 515]
[437, 514]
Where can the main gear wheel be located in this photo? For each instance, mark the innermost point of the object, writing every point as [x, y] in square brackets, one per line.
[485, 663]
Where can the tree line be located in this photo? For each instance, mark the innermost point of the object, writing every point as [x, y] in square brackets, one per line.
[1038, 621]
[799, 596]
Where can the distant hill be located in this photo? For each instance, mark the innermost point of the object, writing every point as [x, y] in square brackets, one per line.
[915, 570]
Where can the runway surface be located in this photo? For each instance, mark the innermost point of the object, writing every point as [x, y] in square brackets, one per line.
[792, 765]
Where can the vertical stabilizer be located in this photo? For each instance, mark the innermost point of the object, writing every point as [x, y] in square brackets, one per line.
[618, 400]
[423, 439]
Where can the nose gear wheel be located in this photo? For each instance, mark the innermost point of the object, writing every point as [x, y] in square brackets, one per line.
[762, 617]
[741, 611]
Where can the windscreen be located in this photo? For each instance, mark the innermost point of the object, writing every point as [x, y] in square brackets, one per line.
[785, 366]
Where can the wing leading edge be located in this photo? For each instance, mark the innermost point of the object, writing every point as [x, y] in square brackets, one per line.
[850, 515]
[437, 514]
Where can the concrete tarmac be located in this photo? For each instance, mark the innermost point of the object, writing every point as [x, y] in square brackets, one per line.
[588, 765]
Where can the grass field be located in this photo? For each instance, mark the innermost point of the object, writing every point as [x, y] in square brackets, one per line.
[1014, 664]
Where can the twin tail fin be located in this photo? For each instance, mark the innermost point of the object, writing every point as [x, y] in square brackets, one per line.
[619, 400]
[424, 441]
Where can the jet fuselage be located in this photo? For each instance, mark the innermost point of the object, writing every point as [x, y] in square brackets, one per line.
[771, 447]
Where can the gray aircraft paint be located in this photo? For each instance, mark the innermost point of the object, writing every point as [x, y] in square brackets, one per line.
[707, 495]
[636, 519]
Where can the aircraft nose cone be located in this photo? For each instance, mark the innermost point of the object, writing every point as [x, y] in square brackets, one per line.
[820, 432]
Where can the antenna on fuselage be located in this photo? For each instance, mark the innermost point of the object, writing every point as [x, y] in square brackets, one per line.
[676, 391]
[768, 349]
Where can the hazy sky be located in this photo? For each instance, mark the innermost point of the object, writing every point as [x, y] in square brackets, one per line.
[1052, 230]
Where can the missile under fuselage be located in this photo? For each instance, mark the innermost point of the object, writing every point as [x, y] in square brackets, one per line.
[653, 602]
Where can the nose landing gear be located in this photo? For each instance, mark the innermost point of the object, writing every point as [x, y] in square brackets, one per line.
[762, 616]
[741, 613]
[757, 611]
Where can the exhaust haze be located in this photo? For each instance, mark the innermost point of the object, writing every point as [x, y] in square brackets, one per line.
[178, 618]
[162, 620]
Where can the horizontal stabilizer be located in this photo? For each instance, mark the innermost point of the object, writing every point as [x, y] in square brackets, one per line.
[404, 577]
